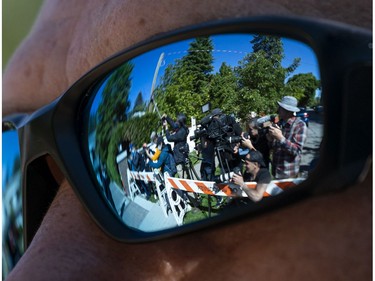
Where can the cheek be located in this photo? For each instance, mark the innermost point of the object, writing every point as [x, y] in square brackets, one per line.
[289, 243]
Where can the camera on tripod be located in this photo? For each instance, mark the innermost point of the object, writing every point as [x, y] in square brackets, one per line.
[184, 150]
[217, 127]
[218, 134]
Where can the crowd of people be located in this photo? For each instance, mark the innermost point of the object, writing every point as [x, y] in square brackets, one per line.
[254, 154]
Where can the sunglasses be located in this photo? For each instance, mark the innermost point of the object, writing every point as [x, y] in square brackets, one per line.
[99, 130]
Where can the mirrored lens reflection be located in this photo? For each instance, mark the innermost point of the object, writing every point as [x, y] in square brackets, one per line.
[12, 202]
[199, 127]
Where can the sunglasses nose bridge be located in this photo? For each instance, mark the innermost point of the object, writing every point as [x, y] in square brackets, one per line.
[36, 134]
[12, 122]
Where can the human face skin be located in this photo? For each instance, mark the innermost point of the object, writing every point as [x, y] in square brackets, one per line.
[250, 167]
[284, 114]
[253, 131]
[323, 238]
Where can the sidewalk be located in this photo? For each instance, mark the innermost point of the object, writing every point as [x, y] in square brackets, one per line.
[146, 216]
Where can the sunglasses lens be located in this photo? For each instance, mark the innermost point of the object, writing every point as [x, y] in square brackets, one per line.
[218, 82]
[12, 200]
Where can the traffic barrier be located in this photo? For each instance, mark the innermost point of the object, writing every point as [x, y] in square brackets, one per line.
[144, 176]
[170, 198]
[162, 192]
[227, 189]
[147, 177]
[177, 204]
[134, 189]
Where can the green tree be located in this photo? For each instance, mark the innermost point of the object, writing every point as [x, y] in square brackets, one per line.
[303, 86]
[139, 104]
[223, 89]
[198, 62]
[138, 130]
[261, 76]
[271, 47]
[185, 84]
[111, 112]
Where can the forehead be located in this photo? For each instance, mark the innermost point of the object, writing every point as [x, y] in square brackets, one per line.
[78, 35]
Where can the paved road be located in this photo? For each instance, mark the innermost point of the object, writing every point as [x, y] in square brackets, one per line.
[314, 137]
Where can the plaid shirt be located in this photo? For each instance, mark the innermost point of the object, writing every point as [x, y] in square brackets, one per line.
[287, 153]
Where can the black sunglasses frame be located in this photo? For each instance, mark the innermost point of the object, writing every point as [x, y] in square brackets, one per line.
[345, 61]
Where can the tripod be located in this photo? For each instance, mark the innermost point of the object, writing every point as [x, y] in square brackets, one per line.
[188, 170]
[223, 163]
[225, 171]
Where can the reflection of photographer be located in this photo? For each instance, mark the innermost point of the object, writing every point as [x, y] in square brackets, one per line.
[151, 149]
[257, 139]
[207, 169]
[219, 133]
[255, 167]
[287, 141]
[178, 137]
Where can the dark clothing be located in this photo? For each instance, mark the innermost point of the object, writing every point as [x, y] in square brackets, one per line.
[263, 176]
[260, 143]
[207, 168]
[134, 161]
[179, 138]
[207, 172]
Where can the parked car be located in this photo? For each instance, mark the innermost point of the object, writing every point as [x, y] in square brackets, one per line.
[318, 108]
[304, 116]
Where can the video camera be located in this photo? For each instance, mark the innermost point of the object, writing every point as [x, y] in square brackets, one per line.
[219, 128]
[184, 150]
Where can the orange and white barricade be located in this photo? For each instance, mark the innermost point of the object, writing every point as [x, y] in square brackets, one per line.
[134, 189]
[224, 189]
[155, 177]
[179, 207]
[143, 176]
[161, 191]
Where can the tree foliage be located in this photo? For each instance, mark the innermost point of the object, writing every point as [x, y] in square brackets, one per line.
[185, 85]
[139, 104]
[255, 84]
[112, 112]
[113, 106]
[303, 86]
[223, 89]
[261, 76]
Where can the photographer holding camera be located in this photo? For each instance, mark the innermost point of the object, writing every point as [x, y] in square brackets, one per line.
[257, 140]
[207, 168]
[222, 134]
[178, 137]
[256, 168]
[288, 141]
